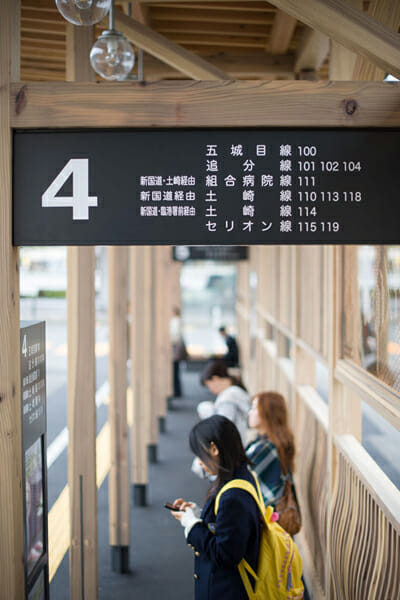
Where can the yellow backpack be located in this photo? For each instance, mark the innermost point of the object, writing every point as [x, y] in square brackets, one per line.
[279, 567]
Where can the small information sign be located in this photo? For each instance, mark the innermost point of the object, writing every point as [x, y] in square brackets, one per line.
[33, 398]
[207, 187]
[218, 253]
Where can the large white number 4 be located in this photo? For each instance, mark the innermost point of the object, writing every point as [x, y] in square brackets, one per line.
[24, 349]
[80, 199]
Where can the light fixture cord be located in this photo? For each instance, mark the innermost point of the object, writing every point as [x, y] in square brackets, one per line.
[111, 15]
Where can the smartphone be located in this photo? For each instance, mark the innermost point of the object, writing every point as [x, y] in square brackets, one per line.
[170, 506]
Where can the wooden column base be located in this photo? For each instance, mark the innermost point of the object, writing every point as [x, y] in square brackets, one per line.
[162, 424]
[120, 559]
[139, 493]
[152, 453]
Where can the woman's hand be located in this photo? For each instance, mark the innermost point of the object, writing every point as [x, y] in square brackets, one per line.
[181, 505]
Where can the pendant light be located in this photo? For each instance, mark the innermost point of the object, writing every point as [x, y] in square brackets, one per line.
[83, 12]
[112, 56]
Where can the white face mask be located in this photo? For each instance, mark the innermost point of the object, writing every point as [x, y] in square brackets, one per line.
[210, 477]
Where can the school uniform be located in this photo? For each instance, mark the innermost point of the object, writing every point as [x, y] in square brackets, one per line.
[220, 542]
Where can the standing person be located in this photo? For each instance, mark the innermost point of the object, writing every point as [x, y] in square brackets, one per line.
[273, 446]
[178, 349]
[221, 540]
[231, 358]
[232, 399]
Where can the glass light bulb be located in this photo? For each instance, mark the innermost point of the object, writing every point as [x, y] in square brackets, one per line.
[83, 12]
[112, 56]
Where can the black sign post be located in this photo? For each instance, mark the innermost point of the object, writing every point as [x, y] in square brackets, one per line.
[206, 186]
[34, 447]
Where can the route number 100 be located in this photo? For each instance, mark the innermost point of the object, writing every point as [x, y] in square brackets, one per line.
[307, 150]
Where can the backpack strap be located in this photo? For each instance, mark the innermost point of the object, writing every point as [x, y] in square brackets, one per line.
[245, 485]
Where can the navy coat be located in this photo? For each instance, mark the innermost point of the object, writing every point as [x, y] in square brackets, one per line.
[220, 542]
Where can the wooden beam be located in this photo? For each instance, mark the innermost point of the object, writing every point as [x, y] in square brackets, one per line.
[165, 50]
[387, 13]
[238, 66]
[185, 39]
[206, 104]
[282, 33]
[216, 14]
[81, 379]
[137, 11]
[243, 5]
[12, 488]
[350, 27]
[342, 60]
[206, 28]
[312, 51]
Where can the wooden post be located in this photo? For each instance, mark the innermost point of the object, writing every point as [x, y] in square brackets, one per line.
[174, 299]
[172, 269]
[148, 342]
[344, 405]
[12, 579]
[160, 319]
[138, 409]
[81, 379]
[119, 522]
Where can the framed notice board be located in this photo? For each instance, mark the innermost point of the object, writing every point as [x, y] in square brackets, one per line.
[206, 186]
[34, 449]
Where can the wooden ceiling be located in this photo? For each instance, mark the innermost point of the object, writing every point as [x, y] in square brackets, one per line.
[245, 40]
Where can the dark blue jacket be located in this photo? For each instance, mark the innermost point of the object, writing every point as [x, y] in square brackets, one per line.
[220, 542]
[232, 356]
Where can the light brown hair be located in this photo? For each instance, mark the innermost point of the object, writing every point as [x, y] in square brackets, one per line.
[273, 415]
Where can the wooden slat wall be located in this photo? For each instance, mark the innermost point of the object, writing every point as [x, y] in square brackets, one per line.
[331, 520]
[312, 447]
[365, 527]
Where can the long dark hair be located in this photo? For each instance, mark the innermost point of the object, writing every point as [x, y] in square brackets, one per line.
[218, 368]
[273, 413]
[224, 434]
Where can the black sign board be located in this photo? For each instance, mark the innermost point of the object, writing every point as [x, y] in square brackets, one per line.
[212, 187]
[218, 253]
[34, 448]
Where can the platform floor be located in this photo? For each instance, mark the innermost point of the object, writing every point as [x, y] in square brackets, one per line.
[161, 563]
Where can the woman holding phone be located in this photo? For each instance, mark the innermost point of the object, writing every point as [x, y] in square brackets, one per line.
[221, 540]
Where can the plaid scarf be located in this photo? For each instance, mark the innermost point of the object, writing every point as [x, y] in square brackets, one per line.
[264, 456]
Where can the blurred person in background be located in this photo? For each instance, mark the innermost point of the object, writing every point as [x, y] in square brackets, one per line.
[231, 357]
[232, 399]
[179, 351]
